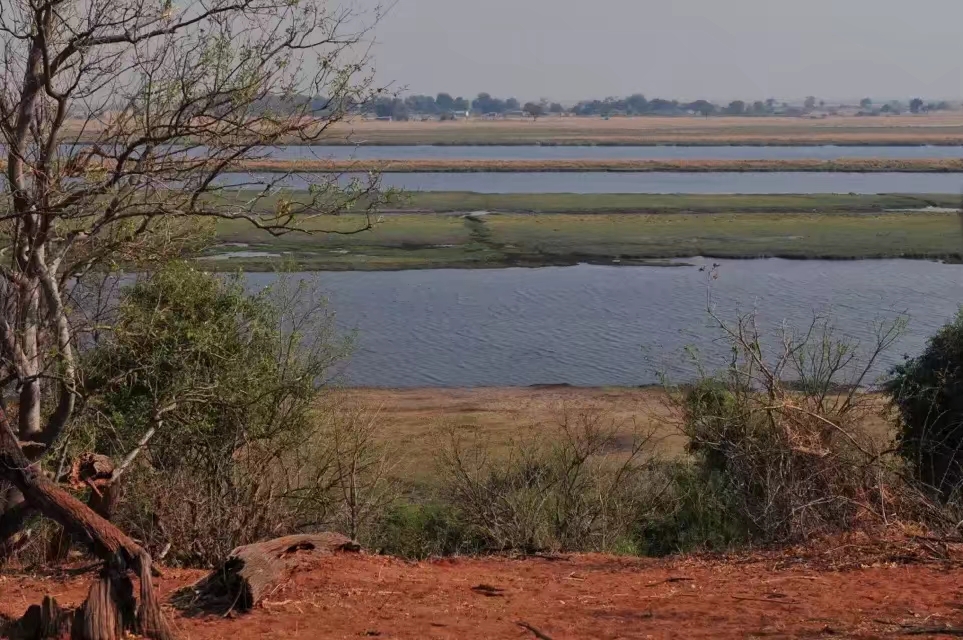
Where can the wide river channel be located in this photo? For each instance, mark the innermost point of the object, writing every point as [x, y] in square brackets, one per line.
[655, 182]
[592, 325]
[426, 152]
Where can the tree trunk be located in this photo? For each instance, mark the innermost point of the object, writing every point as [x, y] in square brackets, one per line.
[41, 622]
[29, 413]
[253, 571]
[12, 520]
[109, 608]
[95, 471]
[120, 553]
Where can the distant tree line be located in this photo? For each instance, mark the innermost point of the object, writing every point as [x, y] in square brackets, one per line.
[916, 105]
[444, 106]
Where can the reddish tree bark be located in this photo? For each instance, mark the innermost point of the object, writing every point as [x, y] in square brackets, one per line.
[119, 553]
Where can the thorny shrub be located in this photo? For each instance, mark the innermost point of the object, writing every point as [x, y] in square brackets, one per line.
[780, 433]
[581, 485]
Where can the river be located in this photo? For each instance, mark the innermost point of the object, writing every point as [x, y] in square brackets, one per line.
[565, 152]
[427, 152]
[595, 326]
[655, 182]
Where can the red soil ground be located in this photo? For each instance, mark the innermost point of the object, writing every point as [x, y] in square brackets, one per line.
[840, 591]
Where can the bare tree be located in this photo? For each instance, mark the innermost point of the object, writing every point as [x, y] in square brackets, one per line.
[121, 121]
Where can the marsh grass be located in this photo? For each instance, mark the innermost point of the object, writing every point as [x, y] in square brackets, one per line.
[434, 241]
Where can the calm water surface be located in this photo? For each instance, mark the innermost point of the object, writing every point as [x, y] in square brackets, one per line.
[656, 182]
[535, 152]
[590, 325]
[426, 152]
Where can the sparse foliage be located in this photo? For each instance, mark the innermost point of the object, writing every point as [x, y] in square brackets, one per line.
[579, 486]
[120, 121]
[362, 465]
[779, 429]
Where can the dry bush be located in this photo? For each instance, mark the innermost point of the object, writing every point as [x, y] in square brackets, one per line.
[337, 478]
[351, 481]
[189, 519]
[780, 432]
[580, 485]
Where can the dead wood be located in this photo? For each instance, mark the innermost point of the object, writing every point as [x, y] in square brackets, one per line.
[119, 553]
[254, 571]
[40, 622]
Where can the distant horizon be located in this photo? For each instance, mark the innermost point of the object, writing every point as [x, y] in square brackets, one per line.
[684, 99]
[685, 49]
[880, 99]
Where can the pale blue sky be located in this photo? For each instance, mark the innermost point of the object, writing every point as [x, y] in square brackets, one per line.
[720, 49]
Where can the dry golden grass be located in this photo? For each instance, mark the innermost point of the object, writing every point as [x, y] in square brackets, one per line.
[943, 128]
[418, 422]
[662, 123]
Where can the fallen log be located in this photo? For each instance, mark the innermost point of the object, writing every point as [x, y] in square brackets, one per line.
[254, 571]
[110, 599]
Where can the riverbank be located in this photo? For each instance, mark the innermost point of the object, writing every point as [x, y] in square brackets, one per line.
[423, 241]
[906, 130]
[844, 165]
[416, 422]
[468, 201]
[939, 129]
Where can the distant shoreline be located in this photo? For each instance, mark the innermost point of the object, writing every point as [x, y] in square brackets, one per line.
[943, 129]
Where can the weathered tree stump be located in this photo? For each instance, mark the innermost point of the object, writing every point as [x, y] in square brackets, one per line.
[110, 608]
[46, 621]
[108, 613]
[254, 571]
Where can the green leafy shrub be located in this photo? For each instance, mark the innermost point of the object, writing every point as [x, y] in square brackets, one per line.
[419, 530]
[217, 390]
[928, 392]
[695, 513]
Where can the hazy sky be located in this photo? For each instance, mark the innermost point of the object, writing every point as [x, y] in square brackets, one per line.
[720, 49]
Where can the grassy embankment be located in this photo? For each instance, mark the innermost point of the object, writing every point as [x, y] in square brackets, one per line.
[609, 229]
[416, 421]
[935, 129]
[908, 130]
[844, 165]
